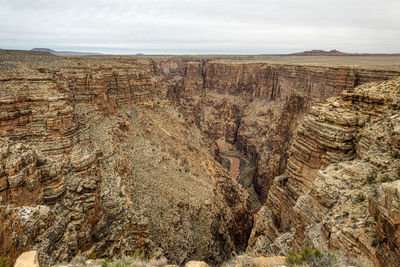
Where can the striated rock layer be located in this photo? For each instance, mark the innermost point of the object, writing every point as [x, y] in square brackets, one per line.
[93, 162]
[339, 189]
[96, 158]
[257, 105]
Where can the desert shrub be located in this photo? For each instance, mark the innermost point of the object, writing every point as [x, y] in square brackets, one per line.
[92, 255]
[360, 198]
[105, 263]
[324, 258]
[293, 258]
[4, 262]
[307, 253]
[395, 155]
[312, 257]
[371, 177]
[376, 243]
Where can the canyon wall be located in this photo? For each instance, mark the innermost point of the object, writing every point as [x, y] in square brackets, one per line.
[339, 189]
[322, 180]
[254, 105]
[117, 156]
[94, 162]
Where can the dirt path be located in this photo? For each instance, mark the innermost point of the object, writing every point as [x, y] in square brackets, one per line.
[235, 162]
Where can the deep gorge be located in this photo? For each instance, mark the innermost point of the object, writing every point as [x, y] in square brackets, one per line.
[119, 155]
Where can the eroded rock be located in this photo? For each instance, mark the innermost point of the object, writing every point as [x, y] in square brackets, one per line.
[341, 155]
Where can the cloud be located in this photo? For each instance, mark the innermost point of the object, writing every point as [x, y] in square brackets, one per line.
[178, 26]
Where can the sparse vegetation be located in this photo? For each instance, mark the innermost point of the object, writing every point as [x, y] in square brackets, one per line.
[371, 178]
[125, 262]
[4, 262]
[384, 179]
[360, 198]
[395, 155]
[376, 243]
[92, 255]
[136, 255]
[312, 257]
[294, 258]
[105, 263]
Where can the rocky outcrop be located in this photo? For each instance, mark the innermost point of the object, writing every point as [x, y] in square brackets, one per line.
[384, 206]
[341, 155]
[20, 174]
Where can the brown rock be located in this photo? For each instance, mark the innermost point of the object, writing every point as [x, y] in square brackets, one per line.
[385, 207]
[68, 127]
[94, 157]
[336, 159]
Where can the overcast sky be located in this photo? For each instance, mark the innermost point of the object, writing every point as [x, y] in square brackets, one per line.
[201, 26]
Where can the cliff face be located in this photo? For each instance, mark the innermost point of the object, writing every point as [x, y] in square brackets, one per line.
[94, 161]
[256, 106]
[343, 153]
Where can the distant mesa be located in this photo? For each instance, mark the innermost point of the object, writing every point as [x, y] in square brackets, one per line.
[64, 53]
[316, 52]
[334, 52]
[43, 50]
[70, 53]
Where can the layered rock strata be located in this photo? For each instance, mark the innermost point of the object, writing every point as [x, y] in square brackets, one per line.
[256, 105]
[343, 153]
[97, 159]
[94, 162]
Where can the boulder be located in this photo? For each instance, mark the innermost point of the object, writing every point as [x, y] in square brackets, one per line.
[196, 264]
[28, 259]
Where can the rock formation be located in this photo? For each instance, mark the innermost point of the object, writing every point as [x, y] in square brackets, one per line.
[343, 154]
[114, 156]
[92, 162]
[257, 105]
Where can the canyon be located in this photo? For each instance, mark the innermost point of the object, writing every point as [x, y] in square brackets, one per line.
[120, 155]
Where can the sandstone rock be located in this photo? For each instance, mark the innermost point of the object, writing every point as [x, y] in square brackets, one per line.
[386, 210]
[196, 264]
[27, 259]
[337, 160]
[69, 126]
[257, 105]
[94, 156]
